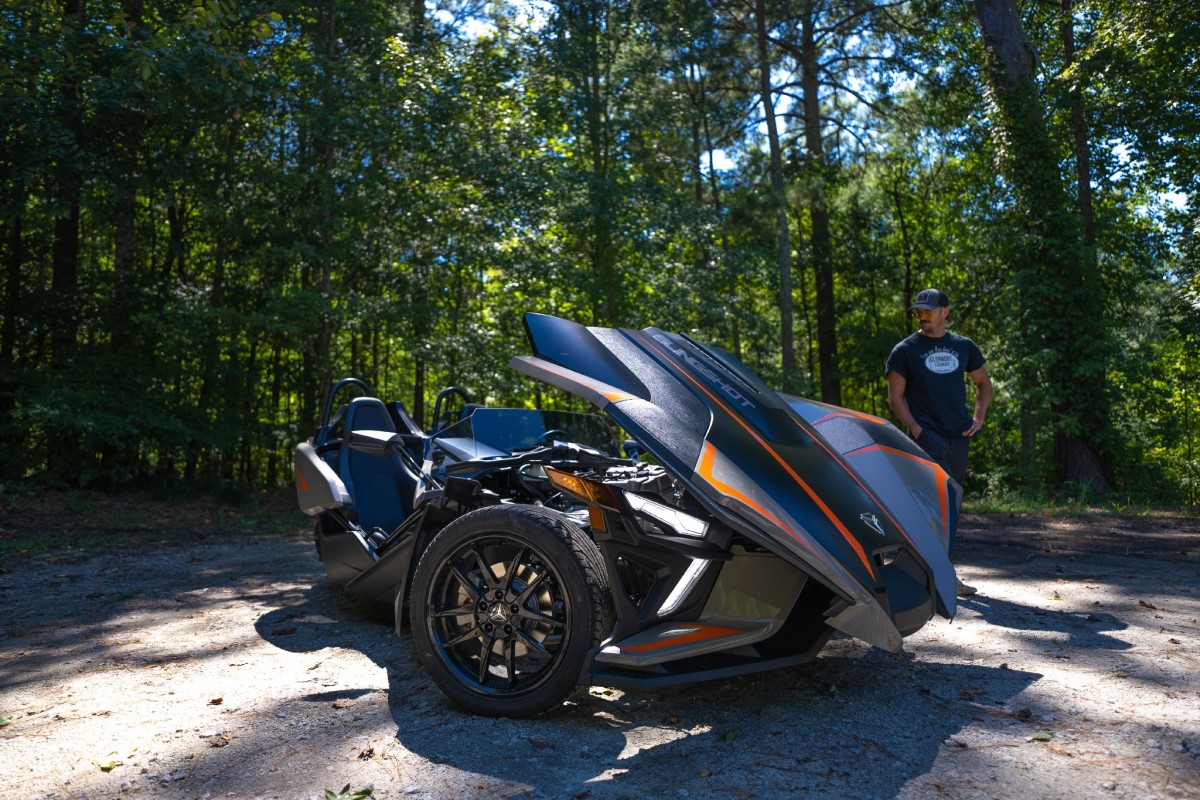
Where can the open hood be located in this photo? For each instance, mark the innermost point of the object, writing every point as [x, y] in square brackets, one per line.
[842, 495]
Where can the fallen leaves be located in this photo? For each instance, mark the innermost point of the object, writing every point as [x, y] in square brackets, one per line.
[216, 701]
[221, 739]
[112, 760]
[343, 702]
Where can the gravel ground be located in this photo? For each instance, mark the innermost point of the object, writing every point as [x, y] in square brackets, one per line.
[223, 666]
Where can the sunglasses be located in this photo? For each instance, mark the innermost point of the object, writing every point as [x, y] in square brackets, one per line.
[923, 313]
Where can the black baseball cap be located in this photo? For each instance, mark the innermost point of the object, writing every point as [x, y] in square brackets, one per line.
[931, 298]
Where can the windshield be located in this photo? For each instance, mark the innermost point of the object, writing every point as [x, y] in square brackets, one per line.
[501, 431]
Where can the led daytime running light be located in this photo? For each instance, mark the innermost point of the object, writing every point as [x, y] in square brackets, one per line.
[683, 524]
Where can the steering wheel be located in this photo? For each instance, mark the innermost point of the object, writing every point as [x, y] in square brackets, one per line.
[549, 435]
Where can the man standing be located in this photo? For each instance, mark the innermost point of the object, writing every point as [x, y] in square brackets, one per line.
[927, 392]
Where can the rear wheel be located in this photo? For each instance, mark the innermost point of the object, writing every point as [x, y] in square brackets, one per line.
[506, 602]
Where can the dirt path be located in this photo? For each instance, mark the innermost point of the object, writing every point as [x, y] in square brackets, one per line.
[224, 667]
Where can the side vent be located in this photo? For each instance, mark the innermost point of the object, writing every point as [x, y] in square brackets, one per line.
[636, 579]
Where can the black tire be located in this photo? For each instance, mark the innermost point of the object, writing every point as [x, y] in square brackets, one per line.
[506, 601]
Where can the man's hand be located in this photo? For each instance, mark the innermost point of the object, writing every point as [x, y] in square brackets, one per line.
[976, 424]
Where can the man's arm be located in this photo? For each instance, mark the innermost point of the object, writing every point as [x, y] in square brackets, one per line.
[983, 399]
[896, 386]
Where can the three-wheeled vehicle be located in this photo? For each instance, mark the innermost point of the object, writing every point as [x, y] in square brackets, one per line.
[736, 531]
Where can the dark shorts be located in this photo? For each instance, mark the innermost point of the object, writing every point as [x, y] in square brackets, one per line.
[950, 452]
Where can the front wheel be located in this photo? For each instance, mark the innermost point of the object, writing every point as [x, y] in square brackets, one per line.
[506, 602]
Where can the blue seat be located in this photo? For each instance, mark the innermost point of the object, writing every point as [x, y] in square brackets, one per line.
[382, 486]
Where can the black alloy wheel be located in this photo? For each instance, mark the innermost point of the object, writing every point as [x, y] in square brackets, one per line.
[506, 602]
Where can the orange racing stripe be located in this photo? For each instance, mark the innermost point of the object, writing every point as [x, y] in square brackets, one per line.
[706, 472]
[697, 633]
[862, 556]
[847, 412]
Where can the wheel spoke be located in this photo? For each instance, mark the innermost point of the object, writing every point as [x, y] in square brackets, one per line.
[464, 610]
[533, 644]
[466, 636]
[512, 570]
[532, 587]
[485, 658]
[489, 578]
[539, 617]
[466, 583]
[510, 660]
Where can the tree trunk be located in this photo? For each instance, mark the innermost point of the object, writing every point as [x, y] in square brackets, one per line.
[605, 307]
[1062, 304]
[125, 303]
[64, 455]
[417, 23]
[64, 264]
[14, 255]
[822, 247]
[1079, 132]
[778, 200]
[735, 332]
[906, 292]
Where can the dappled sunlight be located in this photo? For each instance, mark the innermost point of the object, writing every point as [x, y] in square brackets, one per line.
[251, 676]
[119, 632]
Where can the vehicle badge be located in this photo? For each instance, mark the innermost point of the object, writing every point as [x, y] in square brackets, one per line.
[872, 521]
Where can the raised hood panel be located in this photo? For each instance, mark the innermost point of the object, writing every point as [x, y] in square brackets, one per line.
[754, 458]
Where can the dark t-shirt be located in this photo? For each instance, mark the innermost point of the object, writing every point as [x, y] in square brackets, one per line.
[933, 369]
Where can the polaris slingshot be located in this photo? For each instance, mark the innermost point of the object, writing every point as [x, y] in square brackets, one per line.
[738, 532]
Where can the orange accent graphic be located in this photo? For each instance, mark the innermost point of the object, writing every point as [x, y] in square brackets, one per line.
[686, 635]
[300, 482]
[854, 477]
[825, 509]
[610, 393]
[706, 471]
[847, 412]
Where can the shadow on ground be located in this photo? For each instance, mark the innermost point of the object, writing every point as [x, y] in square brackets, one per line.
[854, 715]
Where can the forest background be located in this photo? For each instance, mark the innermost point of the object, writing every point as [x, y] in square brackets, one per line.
[213, 209]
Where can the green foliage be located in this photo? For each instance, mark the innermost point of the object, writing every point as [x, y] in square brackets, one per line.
[210, 212]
